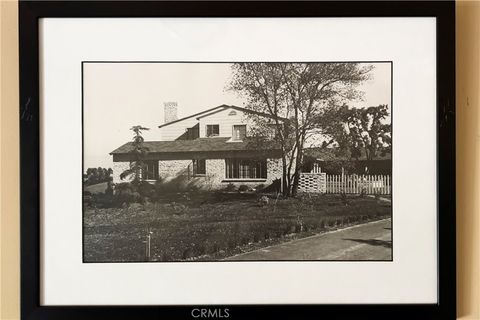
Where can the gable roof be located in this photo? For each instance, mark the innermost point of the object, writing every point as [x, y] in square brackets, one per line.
[196, 145]
[218, 109]
[261, 114]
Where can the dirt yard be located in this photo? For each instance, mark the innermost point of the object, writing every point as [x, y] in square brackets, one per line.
[212, 226]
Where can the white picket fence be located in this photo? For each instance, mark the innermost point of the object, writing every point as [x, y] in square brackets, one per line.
[368, 184]
[316, 168]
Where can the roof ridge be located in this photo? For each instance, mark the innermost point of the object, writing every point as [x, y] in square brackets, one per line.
[225, 106]
[190, 116]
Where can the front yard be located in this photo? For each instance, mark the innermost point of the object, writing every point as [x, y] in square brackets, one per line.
[212, 226]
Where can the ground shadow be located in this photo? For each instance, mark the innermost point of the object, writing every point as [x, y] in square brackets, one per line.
[373, 242]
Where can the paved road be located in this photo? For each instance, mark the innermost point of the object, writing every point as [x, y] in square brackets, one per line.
[370, 241]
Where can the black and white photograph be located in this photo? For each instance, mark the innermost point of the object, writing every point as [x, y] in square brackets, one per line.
[237, 161]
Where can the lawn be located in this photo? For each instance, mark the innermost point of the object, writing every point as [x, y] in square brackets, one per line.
[96, 188]
[212, 226]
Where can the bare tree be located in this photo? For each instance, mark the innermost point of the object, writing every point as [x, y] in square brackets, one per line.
[299, 92]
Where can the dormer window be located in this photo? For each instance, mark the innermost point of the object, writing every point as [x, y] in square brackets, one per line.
[213, 130]
[239, 132]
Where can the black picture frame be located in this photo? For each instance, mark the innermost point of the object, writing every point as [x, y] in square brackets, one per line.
[30, 190]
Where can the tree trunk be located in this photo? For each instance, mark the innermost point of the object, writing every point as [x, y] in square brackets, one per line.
[285, 186]
[298, 168]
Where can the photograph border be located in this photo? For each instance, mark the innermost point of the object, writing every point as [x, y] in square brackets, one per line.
[31, 191]
[227, 62]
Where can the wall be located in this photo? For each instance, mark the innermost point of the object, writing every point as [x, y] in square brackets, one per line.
[225, 122]
[169, 169]
[467, 161]
[118, 168]
[173, 131]
[216, 174]
[312, 182]
[9, 164]
[222, 118]
[468, 25]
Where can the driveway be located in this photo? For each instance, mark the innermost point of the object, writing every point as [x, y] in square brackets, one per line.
[369, 241]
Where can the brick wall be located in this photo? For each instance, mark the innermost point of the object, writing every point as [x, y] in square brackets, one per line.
[215, 172]
[274, 170]
[168, 169]
[215, 178]
[118, 168]
[312, 183]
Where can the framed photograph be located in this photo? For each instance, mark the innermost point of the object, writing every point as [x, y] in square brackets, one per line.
[220, 159]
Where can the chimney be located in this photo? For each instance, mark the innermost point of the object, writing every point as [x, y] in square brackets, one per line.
[170, 109]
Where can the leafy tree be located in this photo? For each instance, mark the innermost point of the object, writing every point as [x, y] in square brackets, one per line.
[360, 131]
[369, 132]
[97, 175]
[301, 93]
[138, 154]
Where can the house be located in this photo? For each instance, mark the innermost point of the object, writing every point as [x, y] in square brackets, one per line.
[214, 147]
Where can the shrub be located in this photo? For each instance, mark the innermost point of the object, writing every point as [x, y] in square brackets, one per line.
[231, 244]
[200, 250]
[230, 187]
[187, 253]
[243, 188]
[344, 198]
[166, 257]
[127, 198]
[263, 201]
[125, 193]
[109, 190]
[178, 184]
[145, 189]
[259, 188]
[322, 224]
[339, 222]
[362, 193]
[274, 187]
[298, 228]
[123, 187]
[178, 208]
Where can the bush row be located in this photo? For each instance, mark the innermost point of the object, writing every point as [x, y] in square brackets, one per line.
[125, 193]
[227, 240]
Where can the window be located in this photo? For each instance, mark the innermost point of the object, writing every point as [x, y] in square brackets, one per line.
[245, 169]
[239, 132]
[150, 170]
[213, 130]
[199, 167]
[273, 130]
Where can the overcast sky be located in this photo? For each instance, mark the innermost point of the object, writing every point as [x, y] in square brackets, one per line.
[120, 95]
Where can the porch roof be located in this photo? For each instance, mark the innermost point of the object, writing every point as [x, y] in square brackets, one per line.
[196, 145]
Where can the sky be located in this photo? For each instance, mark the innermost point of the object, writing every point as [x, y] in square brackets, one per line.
[118, 96]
